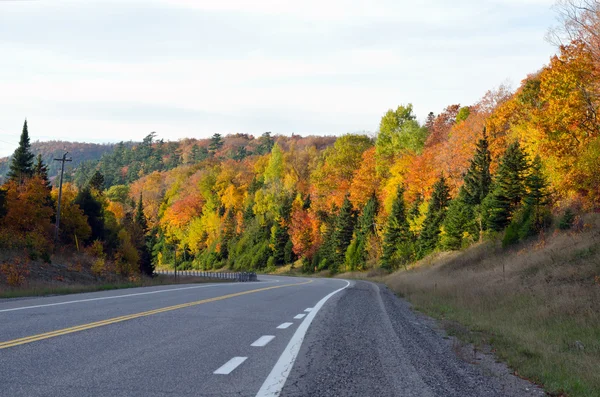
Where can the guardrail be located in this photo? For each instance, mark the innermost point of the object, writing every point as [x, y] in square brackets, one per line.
[239, 276]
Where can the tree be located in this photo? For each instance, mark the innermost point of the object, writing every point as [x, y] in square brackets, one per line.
[342, 234]
[459, 226]
[2, 202]
[463, 114]
[41, 170]
[536, 199]
[399, 133]
[97, 182]
[266, 143]
[216, 143]
[436, 213]
[21, 165]
[509, 187]
[92, 208]
[142, 240]
[356, 255]
[478, 178]
[397, 244]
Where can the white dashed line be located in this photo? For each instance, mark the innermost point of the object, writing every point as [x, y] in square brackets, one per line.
[274, 383]
[284, 325]
[308, 309]
[230, 365]
[263, 340]
[299, 316]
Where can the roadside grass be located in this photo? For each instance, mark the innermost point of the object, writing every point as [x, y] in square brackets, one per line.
[45, 289]
[537, 305]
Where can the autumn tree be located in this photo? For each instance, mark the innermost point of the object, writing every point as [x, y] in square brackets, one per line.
[399, 133]
[21, 165]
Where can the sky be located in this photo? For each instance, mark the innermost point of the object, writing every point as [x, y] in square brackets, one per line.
[112, 70]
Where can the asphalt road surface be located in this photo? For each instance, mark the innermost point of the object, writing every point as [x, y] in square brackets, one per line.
[279, 336]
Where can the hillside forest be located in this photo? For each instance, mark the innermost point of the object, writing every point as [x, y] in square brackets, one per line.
[505, 167]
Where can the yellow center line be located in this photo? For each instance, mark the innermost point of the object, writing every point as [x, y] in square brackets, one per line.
[70, 330]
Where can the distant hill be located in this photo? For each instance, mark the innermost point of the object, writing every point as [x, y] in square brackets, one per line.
[78, 151]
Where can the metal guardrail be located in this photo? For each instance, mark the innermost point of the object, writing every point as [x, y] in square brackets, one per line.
[239, 276]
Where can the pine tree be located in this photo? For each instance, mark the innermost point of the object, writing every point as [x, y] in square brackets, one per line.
[356, 254]
[216, 143]
[509, 188]
[459, 223]
[478, 178]
[266, 143]
[537, 196]
[343, 232]
[41, 170]
[397, 238]
[279, 239]
[436, 213]
[143, 241]
[97, 182]
[3, 208]
[92, 208]
[21, 165]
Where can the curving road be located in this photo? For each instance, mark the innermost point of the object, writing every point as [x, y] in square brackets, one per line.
[280, 336]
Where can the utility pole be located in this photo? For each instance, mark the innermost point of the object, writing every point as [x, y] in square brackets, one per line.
[62, 171]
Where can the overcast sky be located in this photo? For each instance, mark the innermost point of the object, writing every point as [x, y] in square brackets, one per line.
[101, 71]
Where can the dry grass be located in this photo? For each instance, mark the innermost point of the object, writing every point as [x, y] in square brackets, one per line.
[538, 304]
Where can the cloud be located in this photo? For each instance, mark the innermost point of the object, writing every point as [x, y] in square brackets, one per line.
[122, 69]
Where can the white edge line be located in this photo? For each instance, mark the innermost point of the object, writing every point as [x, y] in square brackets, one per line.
[299, 316]
[274, 383]
[263, 341]
[126, 296]
[284, 325]
[230, 365]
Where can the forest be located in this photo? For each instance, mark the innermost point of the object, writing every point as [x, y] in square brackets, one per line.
[506, 167]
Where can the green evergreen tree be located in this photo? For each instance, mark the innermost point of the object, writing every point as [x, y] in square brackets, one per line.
[21, 165]
[343, 232]
[478, 178]
[143, 241]
[414, 213]
[92, 208]
[3, 208]
[41, 170]
[397, 240]
[436, 213]
[265, 145]
[460, 220]
[509, 188]
[356, 254]
[279, 240]
[97, 182]
[216, 143]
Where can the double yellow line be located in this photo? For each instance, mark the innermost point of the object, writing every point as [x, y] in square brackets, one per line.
[65, 331]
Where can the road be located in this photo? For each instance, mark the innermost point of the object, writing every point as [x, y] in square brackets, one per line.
[279, 336]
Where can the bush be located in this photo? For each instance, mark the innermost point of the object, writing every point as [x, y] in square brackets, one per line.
[566, 221]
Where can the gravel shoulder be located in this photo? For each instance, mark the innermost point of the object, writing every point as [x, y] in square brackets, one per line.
[368, 342]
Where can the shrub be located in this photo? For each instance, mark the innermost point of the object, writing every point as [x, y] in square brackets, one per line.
[566, 221]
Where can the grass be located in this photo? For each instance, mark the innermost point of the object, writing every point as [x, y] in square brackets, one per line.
[537, 305]
[45, 289]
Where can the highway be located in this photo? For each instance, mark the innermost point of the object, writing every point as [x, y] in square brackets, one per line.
[279, 336]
